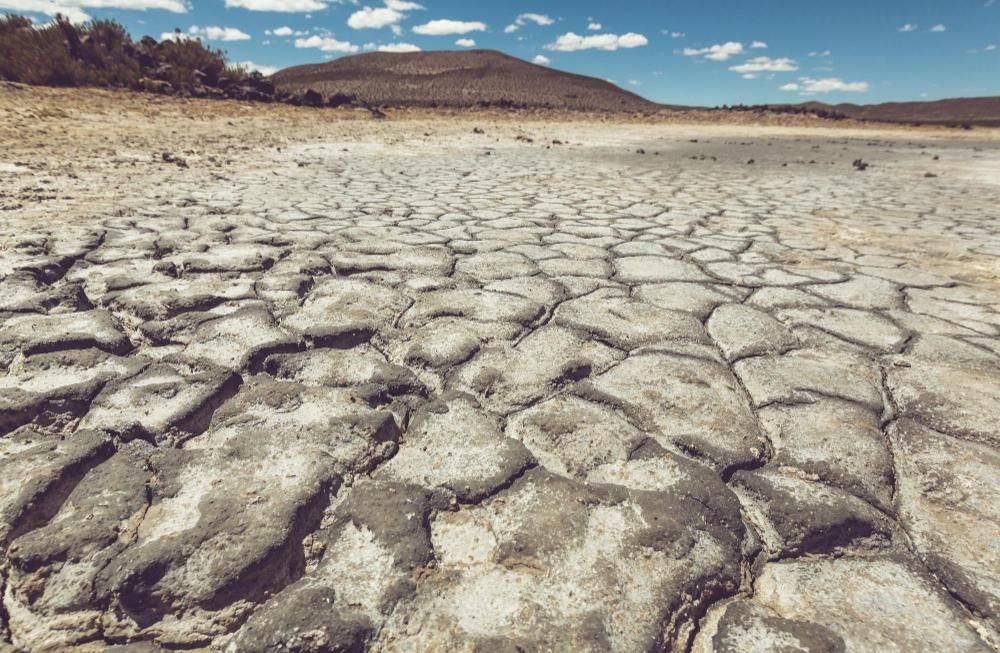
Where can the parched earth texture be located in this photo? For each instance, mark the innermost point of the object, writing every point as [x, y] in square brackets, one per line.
[424, 389]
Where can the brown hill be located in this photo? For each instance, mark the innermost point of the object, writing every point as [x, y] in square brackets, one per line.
[458, 79]
[973, 111]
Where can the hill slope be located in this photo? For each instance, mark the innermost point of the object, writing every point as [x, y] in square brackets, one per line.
[458, 79]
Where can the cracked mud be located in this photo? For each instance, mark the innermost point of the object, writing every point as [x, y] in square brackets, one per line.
[408, 392]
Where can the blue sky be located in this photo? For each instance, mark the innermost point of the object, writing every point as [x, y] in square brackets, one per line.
[699, 52]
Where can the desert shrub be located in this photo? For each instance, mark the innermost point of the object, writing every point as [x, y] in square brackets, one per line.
[181, 58]
[101, 53]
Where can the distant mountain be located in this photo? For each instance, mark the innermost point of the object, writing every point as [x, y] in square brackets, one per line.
[458, 79]
[984, 111]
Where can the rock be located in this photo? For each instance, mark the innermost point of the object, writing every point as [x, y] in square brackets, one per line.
[155, 86]
[798, 517]
[513, 376]
[695, 405]
[742, 331]
[627, 324]
[499, 558]
[839, 595]
[652, 269]
[38, 334]
[959, 400]
[54, 389]
[458, 446]
[837, 442]
[165, 403]
[39, 471]
[949, 502]
[311, 99]
[340, 99]
[742, 626]
[805, 375]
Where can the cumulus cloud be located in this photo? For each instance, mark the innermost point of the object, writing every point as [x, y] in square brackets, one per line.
[720, 52]
[571, 42]
[262, 69]
[326, 44]
[810, 86]
[218, 33]
[75, 11]
[444, 27]
[466, 43]
[368, 18]
[939, 28]
[593, 27]
[285, 31]
[399, 47]
[908, 27]
[758, 45]
[390, 15]
[541, 60]
[286, 6]
[766, 64]
[524, 19]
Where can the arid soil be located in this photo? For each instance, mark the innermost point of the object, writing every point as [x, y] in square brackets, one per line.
[281, 379]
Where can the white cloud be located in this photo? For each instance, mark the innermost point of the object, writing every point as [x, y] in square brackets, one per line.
[399, 47]
[75, 10]
[810, 86]
[286, 6]
[281, 31]
[758, 45]
[722, 52]
[749, 76]
[391, 15]
[674, 35]
[326, 44]
[593, 27]
[218, 33]
[466, 43]
[766, 64]
[939, 28]
[264, 70]
[444, 27]
[541, 60]
[908, 27]
[368, 18]
[824, 53]
[524, 19]
[634, 82]
[571, 42]
[990, 48]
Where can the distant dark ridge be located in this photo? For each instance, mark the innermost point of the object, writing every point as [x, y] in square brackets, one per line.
[469, 78]
[955, 112]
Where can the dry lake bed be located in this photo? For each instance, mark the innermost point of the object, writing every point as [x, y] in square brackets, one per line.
[276, 379]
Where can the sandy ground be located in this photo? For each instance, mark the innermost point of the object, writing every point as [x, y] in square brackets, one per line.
[290, 379]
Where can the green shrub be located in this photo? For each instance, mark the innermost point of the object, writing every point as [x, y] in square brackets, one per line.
[101, 53]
